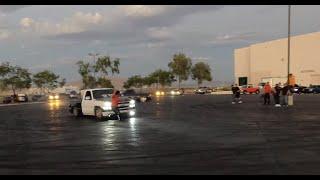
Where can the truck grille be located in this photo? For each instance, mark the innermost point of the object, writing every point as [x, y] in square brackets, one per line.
[124, 105]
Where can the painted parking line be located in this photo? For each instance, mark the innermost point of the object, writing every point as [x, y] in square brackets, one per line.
[19, 104]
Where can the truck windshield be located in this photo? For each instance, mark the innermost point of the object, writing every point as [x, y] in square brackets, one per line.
[103, 93]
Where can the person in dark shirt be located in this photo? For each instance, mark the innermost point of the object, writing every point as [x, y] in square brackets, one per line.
[276, 95]
[236, 94]
[284, 94]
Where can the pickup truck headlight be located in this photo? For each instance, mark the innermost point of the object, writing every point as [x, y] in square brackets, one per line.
[50, 97]
[107, 106]
[132, 103]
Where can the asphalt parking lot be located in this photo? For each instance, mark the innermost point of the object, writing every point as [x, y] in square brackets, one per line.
[191, 134]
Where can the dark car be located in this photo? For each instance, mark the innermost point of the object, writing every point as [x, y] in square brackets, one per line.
[7, 100]
[313, 89]
[298, 89]
[139, 97]
[316, 89]
[38, 98]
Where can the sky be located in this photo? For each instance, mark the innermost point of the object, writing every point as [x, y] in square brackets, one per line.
[144, 37]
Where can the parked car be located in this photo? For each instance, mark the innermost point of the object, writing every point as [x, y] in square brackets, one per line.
[73, 94]
[249, 89]
[315, 89]
[200, 91]
[7, 100]
[298, 89]
[22, 98]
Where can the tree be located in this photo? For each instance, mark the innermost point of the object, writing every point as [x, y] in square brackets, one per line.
[134, 81]
[105, 64]
[85, 71]
[200, 72]
[149, 80]
[180, 66]
[14, 77]
[162, 77]
[104, 83]
[46, 80]
[102, 67]
[62, 82]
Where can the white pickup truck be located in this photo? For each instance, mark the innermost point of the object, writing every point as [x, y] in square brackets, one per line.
[97, 102]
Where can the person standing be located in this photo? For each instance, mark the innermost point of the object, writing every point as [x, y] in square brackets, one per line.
[284, 95]
[276, 95]
[115, 99]
[267, 91]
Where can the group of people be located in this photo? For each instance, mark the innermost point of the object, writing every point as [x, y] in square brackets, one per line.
[279, 93]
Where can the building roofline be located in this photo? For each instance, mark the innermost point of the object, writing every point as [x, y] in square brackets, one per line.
[292, 37]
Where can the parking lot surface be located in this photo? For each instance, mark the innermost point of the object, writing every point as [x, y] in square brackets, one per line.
[191, 134]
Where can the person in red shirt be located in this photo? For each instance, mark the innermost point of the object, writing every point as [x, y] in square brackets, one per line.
[267, 91]
[115, 99]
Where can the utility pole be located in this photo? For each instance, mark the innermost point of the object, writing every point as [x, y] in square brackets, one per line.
[289, 48]
[289, 34]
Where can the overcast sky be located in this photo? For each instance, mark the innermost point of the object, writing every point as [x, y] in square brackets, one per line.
[143, 37]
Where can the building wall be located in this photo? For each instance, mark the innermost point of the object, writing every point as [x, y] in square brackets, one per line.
[242, 62]
[269, 60]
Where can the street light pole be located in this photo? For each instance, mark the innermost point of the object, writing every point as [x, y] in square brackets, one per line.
[289, 47]
[94, 62]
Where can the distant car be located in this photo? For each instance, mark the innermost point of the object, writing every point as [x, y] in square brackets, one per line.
[203, 90]
[175, 92]
[261, 86]
[249, 89]
[38, 98]
[315, 89]
[73, 94]
[7, 100]
[54, 97]
[22, 98]
[200, 91]
[139, 97]
[298, 89]
[160, 93]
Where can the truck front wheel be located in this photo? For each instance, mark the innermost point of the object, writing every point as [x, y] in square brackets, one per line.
[99, 114]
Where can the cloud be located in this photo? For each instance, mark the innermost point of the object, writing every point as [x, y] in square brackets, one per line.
[27, 22]
[78, 22]
[142, 10]
[234, 38]
[11, 8]
[4, 34]
[159, 33]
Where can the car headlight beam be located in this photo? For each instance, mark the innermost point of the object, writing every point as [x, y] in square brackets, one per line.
[107, 106]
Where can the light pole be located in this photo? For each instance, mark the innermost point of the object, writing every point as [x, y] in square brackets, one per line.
[94, 55]
[289, 34]
[289, 47]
